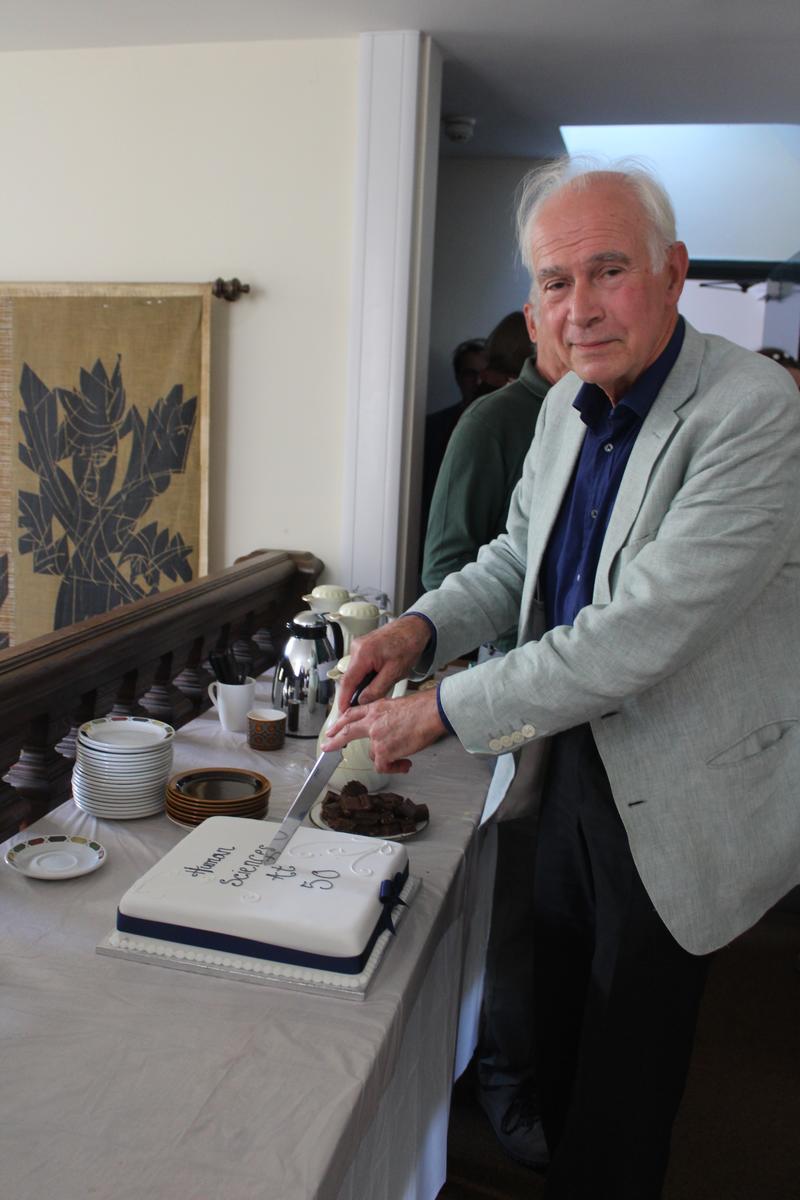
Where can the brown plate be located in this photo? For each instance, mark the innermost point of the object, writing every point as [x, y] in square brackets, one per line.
[252, 810]
[234, 802]
[189, 822]
[210, 785]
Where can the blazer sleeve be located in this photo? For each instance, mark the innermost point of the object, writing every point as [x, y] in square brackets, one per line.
[718, 525]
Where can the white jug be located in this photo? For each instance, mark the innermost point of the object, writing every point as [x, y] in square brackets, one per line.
[355, 618]
[328, 596]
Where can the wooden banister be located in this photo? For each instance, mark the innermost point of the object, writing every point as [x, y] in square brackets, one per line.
[144, 657]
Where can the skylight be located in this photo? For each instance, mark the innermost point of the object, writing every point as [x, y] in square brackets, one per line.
[735, 188]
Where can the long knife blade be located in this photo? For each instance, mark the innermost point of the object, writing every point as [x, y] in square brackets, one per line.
[313, 787]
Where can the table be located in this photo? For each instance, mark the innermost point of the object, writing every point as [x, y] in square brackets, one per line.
[122, 1080]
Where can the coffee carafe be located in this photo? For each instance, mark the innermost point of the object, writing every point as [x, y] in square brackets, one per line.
[300, 685]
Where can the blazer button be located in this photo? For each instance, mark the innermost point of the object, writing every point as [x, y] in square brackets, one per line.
[528, 731]
[517, 737]
[495, 744]
[506, 741]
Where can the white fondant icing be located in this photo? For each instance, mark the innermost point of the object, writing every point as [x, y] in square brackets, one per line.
[206, 883]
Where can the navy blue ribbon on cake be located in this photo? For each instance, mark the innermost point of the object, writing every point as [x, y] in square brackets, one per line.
[390, 896]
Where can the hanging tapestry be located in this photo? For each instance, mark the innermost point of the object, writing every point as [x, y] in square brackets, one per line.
[103, 450]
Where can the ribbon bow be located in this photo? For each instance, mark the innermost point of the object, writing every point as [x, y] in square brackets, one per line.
[389, 896]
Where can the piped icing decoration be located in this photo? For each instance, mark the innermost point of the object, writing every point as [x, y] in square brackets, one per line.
[354, 850]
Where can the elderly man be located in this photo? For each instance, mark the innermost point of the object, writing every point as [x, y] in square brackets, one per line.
[652, 558]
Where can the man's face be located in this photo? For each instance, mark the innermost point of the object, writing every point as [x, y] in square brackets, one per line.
[469, 373]
[608, 314]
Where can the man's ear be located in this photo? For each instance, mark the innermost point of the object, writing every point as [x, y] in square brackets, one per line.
[530, 321]
[678, 266]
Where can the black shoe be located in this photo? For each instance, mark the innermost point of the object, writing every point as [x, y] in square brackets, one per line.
[516, 1124]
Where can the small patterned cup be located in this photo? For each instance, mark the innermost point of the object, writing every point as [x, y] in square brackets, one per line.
[266, 728]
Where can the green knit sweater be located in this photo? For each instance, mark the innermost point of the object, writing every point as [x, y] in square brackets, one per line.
[480, 469]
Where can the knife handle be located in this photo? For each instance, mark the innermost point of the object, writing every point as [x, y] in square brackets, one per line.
[365, 682]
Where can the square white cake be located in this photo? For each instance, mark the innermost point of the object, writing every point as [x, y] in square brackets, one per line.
[214, 899]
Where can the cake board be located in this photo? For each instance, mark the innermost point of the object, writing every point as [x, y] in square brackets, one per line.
[257, 970]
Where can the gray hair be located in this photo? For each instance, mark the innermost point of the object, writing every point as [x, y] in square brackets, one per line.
[542, 182]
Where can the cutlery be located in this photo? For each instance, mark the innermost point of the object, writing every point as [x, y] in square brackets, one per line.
[313, 787]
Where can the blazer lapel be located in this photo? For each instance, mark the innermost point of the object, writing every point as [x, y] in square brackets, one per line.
[560, 454]
[654, 435]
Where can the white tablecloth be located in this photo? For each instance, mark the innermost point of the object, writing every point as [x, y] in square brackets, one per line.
[122, 1080]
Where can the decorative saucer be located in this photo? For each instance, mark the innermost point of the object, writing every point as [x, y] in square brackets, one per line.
[56, 856]
[127, 734]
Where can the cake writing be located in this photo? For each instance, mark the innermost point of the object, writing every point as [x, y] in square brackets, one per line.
[213, 860]
[256, 859]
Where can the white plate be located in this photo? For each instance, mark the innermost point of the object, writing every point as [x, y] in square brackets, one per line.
[127, 734]
[95, 804]
[114, 789]
[56, 856]
[114, 814]
[124, 761]
[316, 818]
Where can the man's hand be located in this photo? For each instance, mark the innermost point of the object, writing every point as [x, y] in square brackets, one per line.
[395, 728]
[390, 651]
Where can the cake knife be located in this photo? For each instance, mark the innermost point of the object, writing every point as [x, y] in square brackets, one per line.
[313, 787]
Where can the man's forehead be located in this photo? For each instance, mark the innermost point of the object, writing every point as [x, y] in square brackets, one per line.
[595, 232]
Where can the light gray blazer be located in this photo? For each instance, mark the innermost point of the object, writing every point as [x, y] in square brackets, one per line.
[687, 663]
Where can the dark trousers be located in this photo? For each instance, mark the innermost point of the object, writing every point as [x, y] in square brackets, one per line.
[505, 1049]
[616, 996]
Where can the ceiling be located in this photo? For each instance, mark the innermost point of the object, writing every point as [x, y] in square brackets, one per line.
[522, 68]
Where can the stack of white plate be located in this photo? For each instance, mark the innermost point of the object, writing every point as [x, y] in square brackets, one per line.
[122, 765]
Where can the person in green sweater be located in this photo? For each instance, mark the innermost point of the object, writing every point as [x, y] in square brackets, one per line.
[482, 465]
[480, 470]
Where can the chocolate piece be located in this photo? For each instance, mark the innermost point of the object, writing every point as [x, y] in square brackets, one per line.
[354, 802]
[370, 817]
[354, 787]
[385, 814]
[342, 825]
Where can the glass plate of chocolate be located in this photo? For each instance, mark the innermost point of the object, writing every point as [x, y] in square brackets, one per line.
[381, 814]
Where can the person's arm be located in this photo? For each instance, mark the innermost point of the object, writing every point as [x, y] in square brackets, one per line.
[726, 530]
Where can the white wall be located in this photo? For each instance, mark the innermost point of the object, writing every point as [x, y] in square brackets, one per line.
[183, 163]
[477, 278]
[727, 310]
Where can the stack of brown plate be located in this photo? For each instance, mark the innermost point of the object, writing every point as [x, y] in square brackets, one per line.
[216, 792]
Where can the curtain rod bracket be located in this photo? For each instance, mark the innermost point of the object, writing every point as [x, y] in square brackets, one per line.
[229, 289]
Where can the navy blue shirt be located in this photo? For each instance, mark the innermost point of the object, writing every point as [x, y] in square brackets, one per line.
[570, 561]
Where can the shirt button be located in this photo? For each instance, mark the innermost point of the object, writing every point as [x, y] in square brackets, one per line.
[528, 730]
[495, 744]
[609, 446]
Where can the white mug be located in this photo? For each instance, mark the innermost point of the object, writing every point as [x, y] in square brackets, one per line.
[233, 701]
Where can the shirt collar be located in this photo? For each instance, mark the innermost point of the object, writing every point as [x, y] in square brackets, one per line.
[594, 406]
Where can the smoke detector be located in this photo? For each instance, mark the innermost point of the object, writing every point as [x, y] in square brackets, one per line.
[458, 129]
